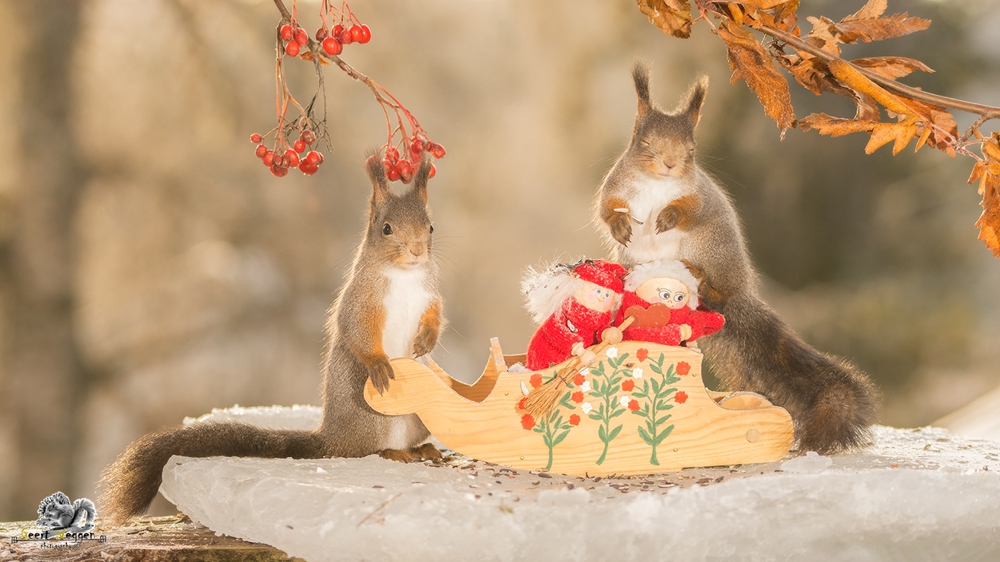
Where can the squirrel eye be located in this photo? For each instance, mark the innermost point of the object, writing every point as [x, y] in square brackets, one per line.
[386, 229]
[691, 150]
[432, 229]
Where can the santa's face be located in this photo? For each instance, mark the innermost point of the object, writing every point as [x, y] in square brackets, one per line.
[594, 296]
[670, 292]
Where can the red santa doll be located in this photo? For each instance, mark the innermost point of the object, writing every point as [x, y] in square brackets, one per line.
[666, 295]
[573, 303]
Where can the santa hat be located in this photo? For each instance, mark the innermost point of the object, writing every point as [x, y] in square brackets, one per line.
[606, 274]
[672, 269]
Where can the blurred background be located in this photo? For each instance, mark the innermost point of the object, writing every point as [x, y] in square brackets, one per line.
[151, 268]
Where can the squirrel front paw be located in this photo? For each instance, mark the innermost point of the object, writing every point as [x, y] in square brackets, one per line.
[668, 219]
[620, 228]
[380, 372]
[425, 341]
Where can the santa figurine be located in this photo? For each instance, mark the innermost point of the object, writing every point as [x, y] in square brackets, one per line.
[662, 296]
[573, 304]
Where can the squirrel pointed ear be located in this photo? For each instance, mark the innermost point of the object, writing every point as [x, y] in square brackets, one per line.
[695, 100]
[423, 174]
[640, 75]
[380, 183]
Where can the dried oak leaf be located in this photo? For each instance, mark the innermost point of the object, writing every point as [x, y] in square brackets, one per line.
[899, 133]
[859, 82]
[891, 67]
[988, 174]
[749, 60]
[672, 16]
[834, 126]
[895, 25]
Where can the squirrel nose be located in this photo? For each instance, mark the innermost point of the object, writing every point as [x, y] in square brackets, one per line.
[417, 250]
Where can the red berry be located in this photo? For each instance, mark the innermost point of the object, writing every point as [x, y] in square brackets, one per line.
[433, 172]
[307, 137]
[315, 157]
[279, 171]
[285, 32]
[261, 151]
[366, 34]
[299, 146]
[292, 49]
[438, 151]
[336, 31]
[255, 138]
[392, 154]
[416, 145]
[308, 168]
[322, 33]
[332, 46]
[285, 161]
[388, 165]
[356, 33]
[268, 158]
[393, 174]
[301, 37]
[405, 170]
[345, 37]
[293, 158]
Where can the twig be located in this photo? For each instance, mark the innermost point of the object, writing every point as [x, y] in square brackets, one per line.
[386, 502]
[986, 111]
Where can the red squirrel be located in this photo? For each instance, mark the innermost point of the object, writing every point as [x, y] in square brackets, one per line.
[390, 306]
[657, 203]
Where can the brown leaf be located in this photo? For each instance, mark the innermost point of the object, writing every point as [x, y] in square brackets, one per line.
[891, 67]
[822, 35]
[835, 127]
[871, 10]
[672, 16]
[854, 79]
[883, 133]
[748, 57]
[763, 4]
[869, 30]
[989, 222]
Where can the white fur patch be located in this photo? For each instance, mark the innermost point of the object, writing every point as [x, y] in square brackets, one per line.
[651, 196]
[405, 302]
[399, 433]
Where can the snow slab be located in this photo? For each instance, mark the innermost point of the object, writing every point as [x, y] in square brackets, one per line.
[915, 494]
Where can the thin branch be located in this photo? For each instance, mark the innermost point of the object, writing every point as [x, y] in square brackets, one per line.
[986, 111]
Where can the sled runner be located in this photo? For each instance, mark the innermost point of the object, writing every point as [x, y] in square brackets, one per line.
[640, 408]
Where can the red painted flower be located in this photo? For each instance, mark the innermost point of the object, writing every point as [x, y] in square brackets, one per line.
[641, 354]
[579, 379]
[574, 420]
[681, 397]
[535, 380]
[683, 368]
[527, 421]
[633, 405]
[628, 385]
[577, 397]
[520, 403]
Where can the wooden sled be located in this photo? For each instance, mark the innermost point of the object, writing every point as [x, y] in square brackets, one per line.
[640, 408]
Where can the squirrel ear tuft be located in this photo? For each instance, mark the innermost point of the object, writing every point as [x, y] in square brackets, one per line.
[695, 100]
[640, 75]
[380, 183]
[420, 181]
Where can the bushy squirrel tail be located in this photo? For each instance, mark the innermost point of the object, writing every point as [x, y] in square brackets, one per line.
[129, 484]
[832, 403]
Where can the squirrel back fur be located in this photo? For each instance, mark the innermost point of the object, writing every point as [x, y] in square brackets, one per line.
[389, 306]
[656, 203]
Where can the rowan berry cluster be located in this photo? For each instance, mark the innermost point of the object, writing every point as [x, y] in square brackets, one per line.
[397, 168]
[295, 157]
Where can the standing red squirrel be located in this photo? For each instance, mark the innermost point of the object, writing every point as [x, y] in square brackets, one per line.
[657, 203]
[390, 306]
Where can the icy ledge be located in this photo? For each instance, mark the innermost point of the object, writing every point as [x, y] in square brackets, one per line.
[921, 494]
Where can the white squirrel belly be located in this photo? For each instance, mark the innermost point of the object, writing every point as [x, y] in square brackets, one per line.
[651, 196]
[405, 302]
